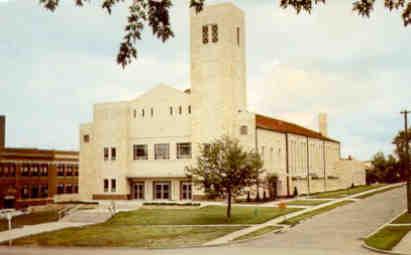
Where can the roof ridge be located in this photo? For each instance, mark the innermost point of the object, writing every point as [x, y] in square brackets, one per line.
[281, 126]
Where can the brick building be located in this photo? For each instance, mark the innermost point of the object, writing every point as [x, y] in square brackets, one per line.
[33, 176]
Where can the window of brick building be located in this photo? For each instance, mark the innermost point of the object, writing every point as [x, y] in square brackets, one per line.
[25, 170]
[44, 191]
[75, 188]
[43, 170]
[60, 189]
[25, 192]
[34, 169]
[69, 188]
[69, 170]
[34, 191]
[60, 170]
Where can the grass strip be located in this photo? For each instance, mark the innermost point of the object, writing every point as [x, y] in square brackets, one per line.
[403, 219]
[257, 233]
[297, 219]
[30, 219]
[307, 202]
[208, 215]
[127, 236]
[387, 238]
[347, 192]
[376, 192]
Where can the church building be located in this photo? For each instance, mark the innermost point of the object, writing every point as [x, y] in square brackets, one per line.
[139, 149]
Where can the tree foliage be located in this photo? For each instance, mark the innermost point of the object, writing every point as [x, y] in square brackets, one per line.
[384, 169]
[155, 14]
[400, 142]
[224, 169]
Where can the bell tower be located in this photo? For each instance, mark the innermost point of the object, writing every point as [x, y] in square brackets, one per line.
[217, 71]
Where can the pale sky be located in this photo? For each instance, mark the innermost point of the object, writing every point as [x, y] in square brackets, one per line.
[55, 66]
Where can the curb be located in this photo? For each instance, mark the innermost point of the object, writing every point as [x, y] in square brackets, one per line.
[281, 229]
[382, 251]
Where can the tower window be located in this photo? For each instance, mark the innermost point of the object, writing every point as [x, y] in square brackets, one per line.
[142, 112]
[214, 30]
[238, 36]
[189, 109]
[180, 110]
[243, 130]
[134, 113]
[86, 138]
[171, 110]
[205, 34]
[151, 112]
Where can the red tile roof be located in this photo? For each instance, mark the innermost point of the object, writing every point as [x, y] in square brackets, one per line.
[281, 126]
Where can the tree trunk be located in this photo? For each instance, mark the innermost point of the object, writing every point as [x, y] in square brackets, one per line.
[229, 205]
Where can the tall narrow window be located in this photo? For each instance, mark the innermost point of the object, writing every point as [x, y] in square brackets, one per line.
[105, 185]
[205, 34]
[180, 110]
[105, 153]
[113, 153]
[238, 36]
[171, 110]
[134, 113]
[189, 109]
[142, 112]
[151, 112]
[214, 33]
[86, 138]
[243, 130]
[113, 185]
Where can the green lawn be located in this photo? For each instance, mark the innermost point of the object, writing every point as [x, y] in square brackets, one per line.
[307, 202]
[376, 192]
[30, 219]
[257, 233]
[387, 238]
[346, 192]
[199, 216]
[128, 236]
[403, 219]
[297, 219]
[131, 228]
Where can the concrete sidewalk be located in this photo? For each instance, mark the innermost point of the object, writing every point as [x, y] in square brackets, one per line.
[230, 237]
[37, 229]
[404, 246]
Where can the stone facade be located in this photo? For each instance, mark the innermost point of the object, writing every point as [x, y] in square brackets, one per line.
[139, 149]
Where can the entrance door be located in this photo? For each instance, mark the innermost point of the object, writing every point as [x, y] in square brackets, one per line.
[8, 202]
[186, 191]
[162, 190]
[138, 190]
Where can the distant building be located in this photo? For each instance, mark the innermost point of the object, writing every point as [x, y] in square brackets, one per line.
[139, 149]
[33, 177]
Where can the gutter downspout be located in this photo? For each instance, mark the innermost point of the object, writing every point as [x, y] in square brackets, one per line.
[287, 167]
[308, 167]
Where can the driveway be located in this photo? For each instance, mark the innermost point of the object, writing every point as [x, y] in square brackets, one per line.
[342, 228]
[337, 232]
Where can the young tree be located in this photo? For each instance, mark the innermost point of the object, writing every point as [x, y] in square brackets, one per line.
[155, 14]
[225, 168]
